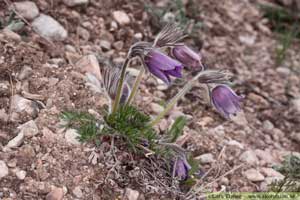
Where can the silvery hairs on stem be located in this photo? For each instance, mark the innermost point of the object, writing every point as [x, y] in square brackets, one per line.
[154, 60]
[168, 36]
[214, 76]
[109, 83]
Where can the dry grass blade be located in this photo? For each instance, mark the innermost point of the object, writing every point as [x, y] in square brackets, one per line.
[191, 194]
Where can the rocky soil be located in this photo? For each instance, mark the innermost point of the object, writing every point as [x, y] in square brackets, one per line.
[42, 67]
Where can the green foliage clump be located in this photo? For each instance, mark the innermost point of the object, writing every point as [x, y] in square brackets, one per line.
[290, 168]
[85, 123]
[12, 23]
[132, 125]
[127, 122]
[177, 128]
[181, 15]
[286, 23]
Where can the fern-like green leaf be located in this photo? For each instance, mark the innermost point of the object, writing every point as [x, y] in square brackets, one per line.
[177, 128]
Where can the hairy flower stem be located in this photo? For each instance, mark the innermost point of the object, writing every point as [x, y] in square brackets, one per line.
[120, 86]
[135, 86]
[174, 100]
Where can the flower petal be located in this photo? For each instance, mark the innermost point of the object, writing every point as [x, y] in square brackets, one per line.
[161, 75]
[157, 59]
[225, 100]
[186, 56]
[176, 72]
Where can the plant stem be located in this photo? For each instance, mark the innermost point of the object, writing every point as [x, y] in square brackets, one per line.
[174, 100]
[136, 86]
[120, 86]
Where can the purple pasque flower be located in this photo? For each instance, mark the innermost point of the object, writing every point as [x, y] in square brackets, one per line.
[186, 56]
[225, 100]
[181, 168]
[162, 66]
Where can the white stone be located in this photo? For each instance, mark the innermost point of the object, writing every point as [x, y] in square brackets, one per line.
[270, 172]
[296, 136]
[21, 174]
[296, 104]
[105, 45]
[10, 34]
[3, 115]
[89, 64]
[121, 17]
[284, 71]
[133, 71]
[264, 156]
[77, 192]
[49, 28]
[168, 17]
[71, 136]
[235, 143]
[16, 141]
[138, 36]
[131, 194]
[4, 87]
[156, 108]
[21, 105]
[267, 125]
[72, 3]
[249, 157]
[247, 39]
[29, 128]
[83, 33]
[205, 158]
[3, 169]
[25, 72]
[55, 194]
[26, 9]
[254, 175]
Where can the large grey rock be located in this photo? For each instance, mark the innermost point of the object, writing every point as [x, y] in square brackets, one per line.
[26, 9]
[49, 28]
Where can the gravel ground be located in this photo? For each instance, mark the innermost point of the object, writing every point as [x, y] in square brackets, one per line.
[41, 75]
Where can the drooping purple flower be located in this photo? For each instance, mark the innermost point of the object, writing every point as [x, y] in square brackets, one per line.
[186, 56]
[182, 168]
[162, 66]
[225, 100]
